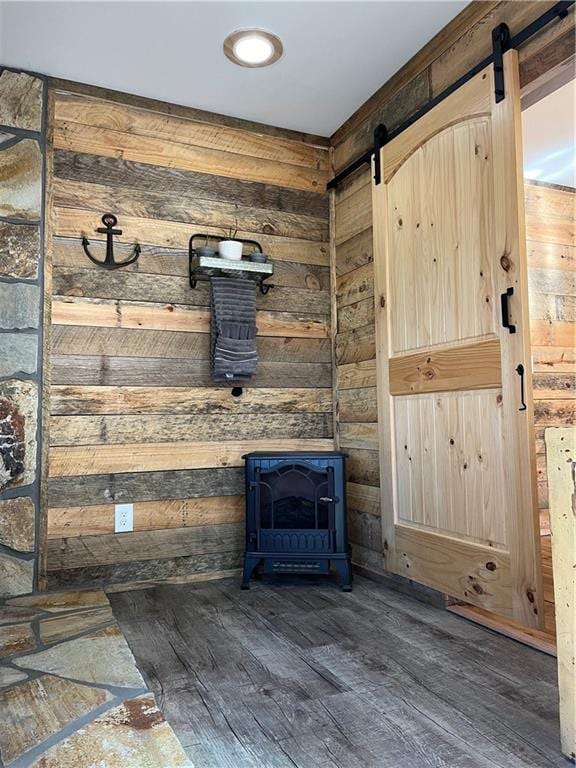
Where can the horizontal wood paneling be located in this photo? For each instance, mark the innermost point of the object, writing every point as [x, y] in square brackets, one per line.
[212, 565]
[355, 252]
[102, 113]
[90, 490]
[156, 151]
[358, 405]
[559, 359]
[156, 260]
[87, 551]
[364, 516]
[115, 172]
[363, 467]
[356, 315]
[355, 285]
[194, 211]
[174, 290]
[135, 415]
[356, 375]
[168, 110]
[77, 340]
[66, 522]
[108, 430]
[359, 435]
[152, 457]
[356, 345]
[364, 498]
[364, 529]
[173, 317]
[69, 222]
[70, 401]
[551, 255]
[103, 370]
[354, 210]
[550, 226]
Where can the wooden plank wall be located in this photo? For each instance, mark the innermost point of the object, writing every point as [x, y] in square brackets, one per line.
[550, 231]
[460, 45]
[134, 415]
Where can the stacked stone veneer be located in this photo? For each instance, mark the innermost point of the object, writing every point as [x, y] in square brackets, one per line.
[71, 695]
[22, 99]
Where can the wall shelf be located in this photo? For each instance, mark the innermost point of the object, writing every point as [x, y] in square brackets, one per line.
[202, 268]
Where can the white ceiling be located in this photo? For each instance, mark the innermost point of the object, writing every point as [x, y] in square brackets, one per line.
[549, 136]
[336, 54]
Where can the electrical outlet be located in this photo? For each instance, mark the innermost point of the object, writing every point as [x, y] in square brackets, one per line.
[123, 518]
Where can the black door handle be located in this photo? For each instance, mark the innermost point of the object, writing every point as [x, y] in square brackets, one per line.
[520, 372]
[506, 310]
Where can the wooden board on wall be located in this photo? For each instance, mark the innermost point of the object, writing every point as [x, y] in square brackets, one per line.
[135, 415]
[97, 520]
[552, 278]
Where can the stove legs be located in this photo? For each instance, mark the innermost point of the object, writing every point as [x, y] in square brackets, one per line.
[344, 571]
[250, 564]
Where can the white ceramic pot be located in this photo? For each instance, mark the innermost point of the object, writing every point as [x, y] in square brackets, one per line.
[230, 249]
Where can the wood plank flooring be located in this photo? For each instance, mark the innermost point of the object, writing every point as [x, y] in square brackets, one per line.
[297, 674]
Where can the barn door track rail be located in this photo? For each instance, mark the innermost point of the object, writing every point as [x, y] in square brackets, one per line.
[502, 41]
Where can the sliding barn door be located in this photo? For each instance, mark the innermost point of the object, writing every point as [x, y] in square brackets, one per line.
[454, 384]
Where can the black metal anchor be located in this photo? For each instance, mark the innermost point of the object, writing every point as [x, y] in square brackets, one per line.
[110, 221]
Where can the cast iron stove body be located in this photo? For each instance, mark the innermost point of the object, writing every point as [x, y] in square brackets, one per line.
[296, 514]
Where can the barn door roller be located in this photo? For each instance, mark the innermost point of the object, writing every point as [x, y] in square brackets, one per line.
[380, 138]
[500, 44]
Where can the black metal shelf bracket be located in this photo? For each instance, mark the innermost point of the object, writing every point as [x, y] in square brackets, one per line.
[500, 44]
[110, 221]
[243, 268]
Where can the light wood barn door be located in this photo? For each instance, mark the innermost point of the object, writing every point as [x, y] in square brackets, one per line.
[458, 472]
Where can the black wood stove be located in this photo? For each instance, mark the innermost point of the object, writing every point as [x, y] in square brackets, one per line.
[296, 514]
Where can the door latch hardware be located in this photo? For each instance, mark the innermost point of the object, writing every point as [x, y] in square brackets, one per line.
[520, 372]
[506, 310]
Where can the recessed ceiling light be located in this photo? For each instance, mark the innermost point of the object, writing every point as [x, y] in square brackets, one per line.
[253, 48]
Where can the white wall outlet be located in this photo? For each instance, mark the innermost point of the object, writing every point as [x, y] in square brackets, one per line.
[123, 518]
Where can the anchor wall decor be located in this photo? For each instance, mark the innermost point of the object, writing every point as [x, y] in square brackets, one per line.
[110, 221]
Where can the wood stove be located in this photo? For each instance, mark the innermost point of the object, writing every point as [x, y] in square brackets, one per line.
[296, 514]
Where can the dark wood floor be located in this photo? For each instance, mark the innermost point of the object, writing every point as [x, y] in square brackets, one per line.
[302, 675]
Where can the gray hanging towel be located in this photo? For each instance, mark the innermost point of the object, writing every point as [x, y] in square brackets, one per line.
[233, 327]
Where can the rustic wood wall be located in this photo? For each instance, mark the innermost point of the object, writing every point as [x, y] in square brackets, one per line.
[134, 415]
[459, 46]
[550, 231]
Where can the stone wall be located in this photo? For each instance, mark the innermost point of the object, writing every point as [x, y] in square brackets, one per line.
[22, 99]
